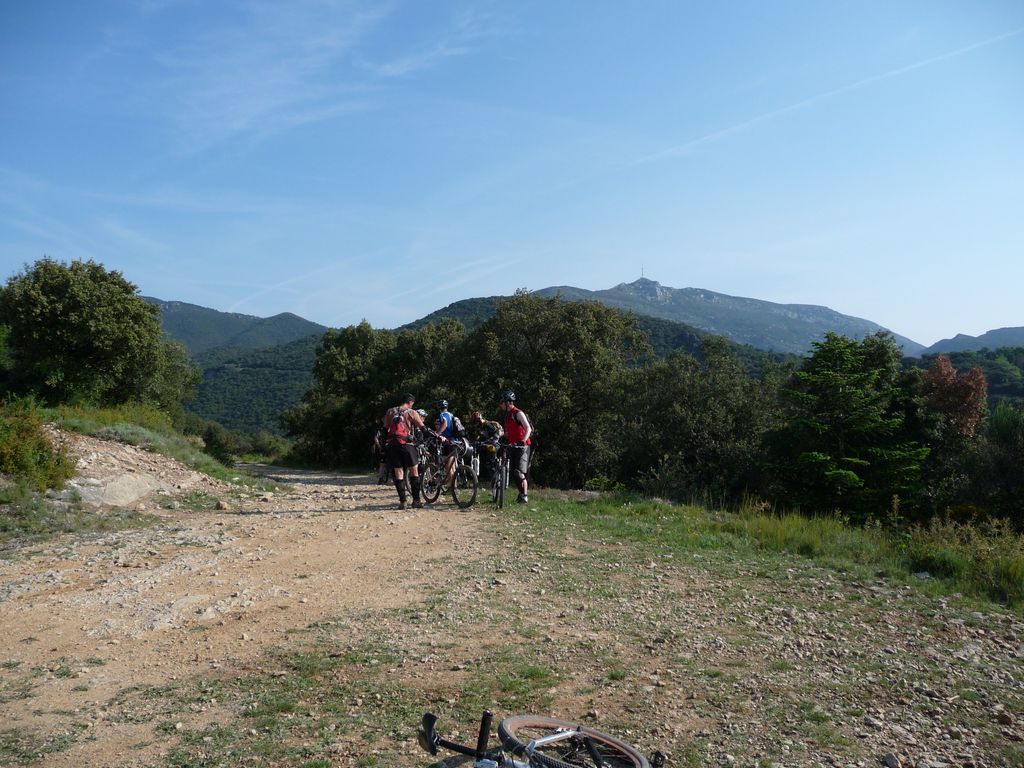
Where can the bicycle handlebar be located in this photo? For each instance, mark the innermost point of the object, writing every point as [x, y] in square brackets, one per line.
[429, 739]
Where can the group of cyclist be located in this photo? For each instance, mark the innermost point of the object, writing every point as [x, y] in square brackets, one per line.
[404, 426]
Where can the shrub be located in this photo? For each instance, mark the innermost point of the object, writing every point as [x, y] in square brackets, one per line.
[89, 420]
[26, 452]
[985, 557]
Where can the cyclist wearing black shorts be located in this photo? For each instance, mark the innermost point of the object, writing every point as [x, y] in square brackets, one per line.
[445, 427]
[400, 422]
[517, 431]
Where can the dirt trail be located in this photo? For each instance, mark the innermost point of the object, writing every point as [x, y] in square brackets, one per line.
[200, 590]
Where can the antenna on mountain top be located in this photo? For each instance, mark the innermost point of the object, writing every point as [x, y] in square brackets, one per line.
[641, 271]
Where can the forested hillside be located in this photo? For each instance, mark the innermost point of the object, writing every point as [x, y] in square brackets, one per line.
[791, 328]
[249, 389]
[201, 328]
[850, 429]
[1003, 369]
[665, 336]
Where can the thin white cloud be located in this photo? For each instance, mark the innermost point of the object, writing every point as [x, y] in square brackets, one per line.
[129, 239]
[280, 66]
[468, 27]
[686, 147]
[411, 64]
[742, 126]
[304, 277]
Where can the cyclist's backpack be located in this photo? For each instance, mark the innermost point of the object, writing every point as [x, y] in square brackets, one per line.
[457, 429]
[399, 427]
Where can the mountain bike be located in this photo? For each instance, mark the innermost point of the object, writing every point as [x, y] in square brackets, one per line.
[435, 472]
[497, 466]
[499, 474]
[532, 741]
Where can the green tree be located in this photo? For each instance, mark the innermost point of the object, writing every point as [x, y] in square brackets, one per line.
[77, 332]
[696, 427]
[359, 373]
[999, 472]
[843, 443]
[569, 365]
[174, 381]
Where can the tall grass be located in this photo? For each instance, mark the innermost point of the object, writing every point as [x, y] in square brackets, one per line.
[983, 560]
[985, 557]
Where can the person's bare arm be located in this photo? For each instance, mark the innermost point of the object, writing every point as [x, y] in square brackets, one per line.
[525, 424]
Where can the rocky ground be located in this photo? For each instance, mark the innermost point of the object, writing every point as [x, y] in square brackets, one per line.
[311, 625]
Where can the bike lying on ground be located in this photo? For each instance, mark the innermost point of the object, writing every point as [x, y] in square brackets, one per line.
[532, 741]
[453, 470]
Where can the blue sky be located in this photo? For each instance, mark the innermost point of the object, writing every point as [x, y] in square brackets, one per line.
[346, 160]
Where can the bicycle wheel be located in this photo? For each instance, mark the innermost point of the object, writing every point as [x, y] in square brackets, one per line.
[495, 480]
[517, 732]
[502, 474]
[433, 479]
[464, 486]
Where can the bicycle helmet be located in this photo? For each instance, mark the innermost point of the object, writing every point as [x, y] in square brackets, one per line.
[442, 404]
[422, 413]
[476, 417]
[507, 396]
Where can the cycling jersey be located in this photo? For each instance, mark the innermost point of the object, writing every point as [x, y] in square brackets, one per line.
[514, 431]
[447, 430]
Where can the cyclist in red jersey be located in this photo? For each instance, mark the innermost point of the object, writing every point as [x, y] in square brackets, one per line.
[517, 431]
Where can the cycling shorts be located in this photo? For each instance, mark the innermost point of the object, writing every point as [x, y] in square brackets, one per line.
[518, 461]
[401, 455]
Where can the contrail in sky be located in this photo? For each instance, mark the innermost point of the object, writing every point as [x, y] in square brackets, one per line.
[681, 148]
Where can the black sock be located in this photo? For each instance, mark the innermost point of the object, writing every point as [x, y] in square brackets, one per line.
[417, 484]
[400, 487]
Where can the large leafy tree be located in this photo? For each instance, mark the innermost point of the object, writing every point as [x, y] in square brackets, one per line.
[696, 427]
[80, 332]
[567, 361]
[844, 445]
[359, 372]
[999, 472]
[569, 364]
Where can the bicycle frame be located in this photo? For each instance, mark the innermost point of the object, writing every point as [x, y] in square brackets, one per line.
[429, 739]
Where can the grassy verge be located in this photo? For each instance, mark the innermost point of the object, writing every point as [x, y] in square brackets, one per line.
[984, 561]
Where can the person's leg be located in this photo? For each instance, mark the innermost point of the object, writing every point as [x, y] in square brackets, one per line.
[519, 465]
[394, 455]
[414, 476]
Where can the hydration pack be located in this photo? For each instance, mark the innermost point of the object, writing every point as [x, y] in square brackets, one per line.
[399, 427]
[457, 429]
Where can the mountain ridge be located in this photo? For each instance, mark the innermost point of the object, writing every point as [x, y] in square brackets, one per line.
[1011, 336]
[201, 328]
[766, 325]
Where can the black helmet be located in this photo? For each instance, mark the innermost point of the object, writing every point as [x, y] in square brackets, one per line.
[507, 396]
[442, 404]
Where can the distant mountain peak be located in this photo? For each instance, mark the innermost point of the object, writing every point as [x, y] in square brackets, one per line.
[762, 324]
[646, 288]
